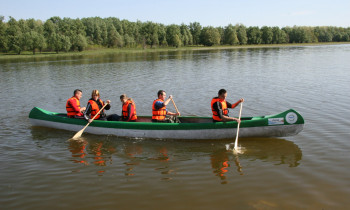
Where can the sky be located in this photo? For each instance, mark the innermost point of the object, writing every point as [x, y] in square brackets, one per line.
[215, 13]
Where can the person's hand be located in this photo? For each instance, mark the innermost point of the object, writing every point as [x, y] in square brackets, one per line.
[242, 100]
[108, 101]
[89, 120]
[237, 120]
[178, 114]
[170, 96]
[82, 109]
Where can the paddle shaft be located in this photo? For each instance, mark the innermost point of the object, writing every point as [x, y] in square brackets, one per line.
[175, 105]
[239, 123]
[78, 134]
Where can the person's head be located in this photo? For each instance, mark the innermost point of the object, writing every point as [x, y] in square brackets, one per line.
[123, 98]
[222, 94]
[78, 93]
[95, 94]
[161, 94]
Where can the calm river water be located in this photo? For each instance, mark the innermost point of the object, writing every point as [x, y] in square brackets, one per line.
[40, 169]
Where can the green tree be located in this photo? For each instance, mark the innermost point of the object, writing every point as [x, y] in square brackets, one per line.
[3, 35]
[279, 36]
[65, 43]
[15, 36]
[266, 35]
[242, 34]
[149, 31]
[173, 35]
[195, 29]
[254, 35]
[35, 41]
[230, 35]
[187, 38]
[210, 36]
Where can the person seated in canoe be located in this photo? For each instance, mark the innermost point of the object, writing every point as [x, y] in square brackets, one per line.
[94, 105]
[219, 107]
[73, 105]
[129, 109]
[159, 110]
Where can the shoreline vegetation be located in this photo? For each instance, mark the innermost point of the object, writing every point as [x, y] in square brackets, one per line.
[101, 50]
[65, 36]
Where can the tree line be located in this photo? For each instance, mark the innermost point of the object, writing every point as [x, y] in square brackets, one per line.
[57, 34]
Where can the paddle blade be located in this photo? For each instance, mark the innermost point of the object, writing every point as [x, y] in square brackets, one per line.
[78, 134]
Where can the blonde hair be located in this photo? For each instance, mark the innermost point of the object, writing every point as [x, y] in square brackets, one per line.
[95, 92]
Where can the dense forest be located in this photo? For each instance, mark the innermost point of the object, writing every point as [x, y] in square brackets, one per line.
[57, 34]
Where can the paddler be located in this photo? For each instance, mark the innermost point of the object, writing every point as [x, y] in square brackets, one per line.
[219, 107]
[94, 105]
[73, 105]
[159, 110]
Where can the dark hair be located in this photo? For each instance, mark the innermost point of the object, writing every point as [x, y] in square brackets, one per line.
[222, 91]
[160, 92]
[76, 90]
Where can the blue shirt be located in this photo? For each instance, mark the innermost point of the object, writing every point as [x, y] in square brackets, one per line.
[159, 105]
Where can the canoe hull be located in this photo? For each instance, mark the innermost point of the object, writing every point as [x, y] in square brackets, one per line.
[250, 128]
[225, 133]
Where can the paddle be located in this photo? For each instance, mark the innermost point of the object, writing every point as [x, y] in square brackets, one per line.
[78, 135]
[239, 119]
[175, 106]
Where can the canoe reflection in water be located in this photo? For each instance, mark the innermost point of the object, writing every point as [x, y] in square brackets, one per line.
[171, 159]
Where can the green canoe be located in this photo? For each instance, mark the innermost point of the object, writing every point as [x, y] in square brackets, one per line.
[287, 123]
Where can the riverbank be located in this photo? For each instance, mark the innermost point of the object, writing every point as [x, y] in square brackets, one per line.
[99, 50]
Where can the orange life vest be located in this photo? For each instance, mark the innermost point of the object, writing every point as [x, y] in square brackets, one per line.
[223, 106]
[158, 114]
[126, 113]
[95, 108]
[70, 110]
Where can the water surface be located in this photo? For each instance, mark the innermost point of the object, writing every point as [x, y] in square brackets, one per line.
[41, 169]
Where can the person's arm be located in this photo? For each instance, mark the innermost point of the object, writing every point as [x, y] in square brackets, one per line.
[166, 102]
[130, 112]
[159, 105]
[235, 104]
[87, 112]
[223, 117]
[172, 113]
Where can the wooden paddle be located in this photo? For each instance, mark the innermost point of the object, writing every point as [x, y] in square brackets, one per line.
[239, 119]
[175, 106]
[78, 135]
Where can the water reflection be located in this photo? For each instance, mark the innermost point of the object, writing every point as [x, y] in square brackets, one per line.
[136, 157]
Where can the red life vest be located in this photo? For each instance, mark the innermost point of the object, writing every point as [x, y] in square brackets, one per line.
[70, 109]
[223, 106]
[126, 113]
[95, 108]
[158, 114]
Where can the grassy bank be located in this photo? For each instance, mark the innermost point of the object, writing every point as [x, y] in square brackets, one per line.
[98, 50]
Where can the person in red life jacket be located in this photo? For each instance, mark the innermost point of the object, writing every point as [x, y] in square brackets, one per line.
[220, 106]
[129, 109]
[73, 105]
[159, 110]
[94, 105]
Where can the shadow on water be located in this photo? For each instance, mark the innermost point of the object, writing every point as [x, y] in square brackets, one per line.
[105, 152]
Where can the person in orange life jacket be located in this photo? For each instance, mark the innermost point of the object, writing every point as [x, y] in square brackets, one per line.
[94, 105]
[73, 105]
[129, 109]
[219, 107]
[159, 110]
